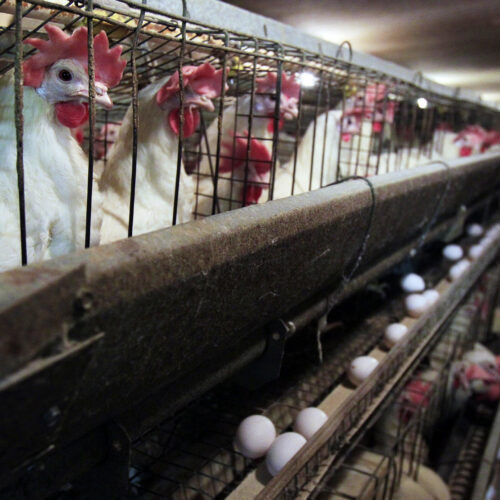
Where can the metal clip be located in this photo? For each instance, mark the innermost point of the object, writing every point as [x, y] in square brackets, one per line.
[268, 366]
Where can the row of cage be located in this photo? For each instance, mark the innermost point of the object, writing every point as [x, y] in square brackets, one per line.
[120, 119]
[191, 454]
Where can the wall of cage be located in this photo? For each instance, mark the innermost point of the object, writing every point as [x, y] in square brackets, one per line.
[399, 452]
[192, 454]
[120, 120]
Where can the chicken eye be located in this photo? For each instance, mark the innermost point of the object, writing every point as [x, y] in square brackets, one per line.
[65, 75]
[273, 97]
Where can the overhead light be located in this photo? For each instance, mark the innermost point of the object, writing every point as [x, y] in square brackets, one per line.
[422, 103]
[307, 79]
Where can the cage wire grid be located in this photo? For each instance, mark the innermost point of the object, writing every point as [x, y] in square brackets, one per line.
[191, 455]
[425, 400]
[353, 121]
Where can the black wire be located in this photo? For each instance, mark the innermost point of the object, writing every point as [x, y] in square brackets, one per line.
[364, 243]
[435, 214]
[333, 298]
[92, 111]
[135, 121]
[18, 79]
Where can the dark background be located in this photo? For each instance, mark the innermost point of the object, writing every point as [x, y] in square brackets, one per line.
[456, 43]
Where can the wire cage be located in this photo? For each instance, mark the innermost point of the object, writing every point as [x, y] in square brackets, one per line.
[232, 144]
[204, 120]
[399, 441]
[191, 454]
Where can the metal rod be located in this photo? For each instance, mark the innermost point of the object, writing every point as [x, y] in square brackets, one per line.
[135, 122]
[91, 73]
[18, 82]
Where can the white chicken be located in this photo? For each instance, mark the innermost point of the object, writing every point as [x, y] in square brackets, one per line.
[238, 186]
[55, 167]
[312, 169]
[337, 144]
[157, 152]
[443, 143]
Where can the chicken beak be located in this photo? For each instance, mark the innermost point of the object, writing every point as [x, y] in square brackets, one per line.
[288, 108]
[101, 95]
[200, 101]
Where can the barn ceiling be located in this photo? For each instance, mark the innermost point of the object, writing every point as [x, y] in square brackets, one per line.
[454, 42]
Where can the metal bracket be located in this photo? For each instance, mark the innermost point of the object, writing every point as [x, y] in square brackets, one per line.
[268, 366]
[457, 228]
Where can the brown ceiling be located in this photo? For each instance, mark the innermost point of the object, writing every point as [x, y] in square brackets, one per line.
[453, 42]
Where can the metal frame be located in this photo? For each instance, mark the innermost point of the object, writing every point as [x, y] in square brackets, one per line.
[97, 335]
[180, 37]
[210, 12]
[126, 325]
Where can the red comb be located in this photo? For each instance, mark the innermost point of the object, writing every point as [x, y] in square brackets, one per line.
[204, 80]
[289, 86]
[374, 93]
[473, 133]
[108, 66]
[373, 101]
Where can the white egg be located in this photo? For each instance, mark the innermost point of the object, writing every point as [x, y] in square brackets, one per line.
[474, 230]
[431, 296]
[457, 270]
[416, 304]
[254, 436]
[453, 252]
[394, 333]
[475, 251]
[361, 368]
[308, 421]
[282, 450]
[412, 283]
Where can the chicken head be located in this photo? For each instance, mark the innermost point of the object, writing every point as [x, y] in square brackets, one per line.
[201, 85]
[59, 72]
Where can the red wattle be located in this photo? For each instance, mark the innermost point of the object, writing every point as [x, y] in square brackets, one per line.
[78, 135]
[252, 194]
[346, 137]
[191, 120]
[270, 125]
[377, 127]
[72, 114]
[493, 393]
[465, 151]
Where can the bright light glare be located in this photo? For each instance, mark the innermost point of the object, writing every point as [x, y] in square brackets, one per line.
[422, 102]
[307, 80]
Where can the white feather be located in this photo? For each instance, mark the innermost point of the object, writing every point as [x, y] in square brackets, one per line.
[312, 169]
[156, 174]
[230, 184]
[55, 180]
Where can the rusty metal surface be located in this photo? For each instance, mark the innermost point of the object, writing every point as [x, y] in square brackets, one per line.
[36, 400]
[29, 321]
[178, 303]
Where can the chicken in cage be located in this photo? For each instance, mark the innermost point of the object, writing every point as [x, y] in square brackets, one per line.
[204, 122]
[145, 357]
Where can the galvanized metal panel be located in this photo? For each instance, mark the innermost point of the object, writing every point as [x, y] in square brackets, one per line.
[212, 12]
[183, 301]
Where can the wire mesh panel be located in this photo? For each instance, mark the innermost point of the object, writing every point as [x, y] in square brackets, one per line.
[179, 120]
